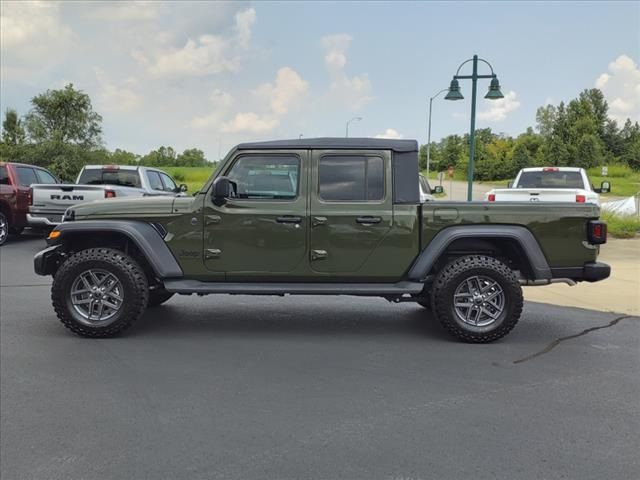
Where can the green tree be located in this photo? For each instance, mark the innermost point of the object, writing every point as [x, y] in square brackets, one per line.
[64, 130]
[65, 116]
[12, 128]
[122, 157]
[192, 157]
[162, 157]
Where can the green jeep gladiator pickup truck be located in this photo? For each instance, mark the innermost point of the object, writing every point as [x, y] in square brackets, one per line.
[326, 216]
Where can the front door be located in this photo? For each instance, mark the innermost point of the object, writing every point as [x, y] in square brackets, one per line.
[351, 213]
[260, 233]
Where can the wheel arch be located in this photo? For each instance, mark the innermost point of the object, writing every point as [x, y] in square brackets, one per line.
[512, 242]
[137, 238]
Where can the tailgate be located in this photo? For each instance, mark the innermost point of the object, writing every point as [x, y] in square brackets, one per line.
[58, 197]
[536, 195]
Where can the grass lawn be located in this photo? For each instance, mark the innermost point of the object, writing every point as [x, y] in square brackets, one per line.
[194, 177]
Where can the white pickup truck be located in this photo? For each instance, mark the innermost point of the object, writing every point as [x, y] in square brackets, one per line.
[97, 182]
[549, 184]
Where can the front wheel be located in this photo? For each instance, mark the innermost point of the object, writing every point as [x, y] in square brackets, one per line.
[99, 292]
[477, 298]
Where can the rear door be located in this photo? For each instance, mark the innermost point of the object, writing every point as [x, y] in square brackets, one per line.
[351, 211]
[26, 178]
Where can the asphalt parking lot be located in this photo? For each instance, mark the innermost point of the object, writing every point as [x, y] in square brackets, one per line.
[311, 387]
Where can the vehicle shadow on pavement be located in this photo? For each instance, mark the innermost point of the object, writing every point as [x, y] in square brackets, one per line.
[170, 320]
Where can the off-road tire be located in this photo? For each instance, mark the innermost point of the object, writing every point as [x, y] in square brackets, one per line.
[128, 272]
[158, 296]
[451, 276]
[4, 228]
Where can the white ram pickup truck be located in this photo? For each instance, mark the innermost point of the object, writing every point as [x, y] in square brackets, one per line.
[549, 184]
[97, 182]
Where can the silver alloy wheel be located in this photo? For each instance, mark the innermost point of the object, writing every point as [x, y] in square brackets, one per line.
[4, 228]
[479, 301]
[97, 296]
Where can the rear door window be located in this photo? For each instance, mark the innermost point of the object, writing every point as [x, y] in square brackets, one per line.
[45, 177]
[351, 178]
[26, 176]
[4, 176]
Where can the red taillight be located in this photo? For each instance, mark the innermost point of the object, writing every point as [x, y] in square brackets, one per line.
[30, 196]
[491, 197]
[109, 194]
[111, 167]
[550, 169]
[581, 198]
[597, 232]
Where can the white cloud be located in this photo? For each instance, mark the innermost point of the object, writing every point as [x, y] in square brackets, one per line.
[244, 21]
[116, 98]
[390, 133]
[220, 99]
[336, 48]
[126, 11]
[353, 92]
[250, 122]
[206, 55]
[287, 92]
[281, 96]
[221, 102]
[32, 34]
[498, 109]
[621, 88]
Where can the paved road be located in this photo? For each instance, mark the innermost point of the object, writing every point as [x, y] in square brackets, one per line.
[302, 387]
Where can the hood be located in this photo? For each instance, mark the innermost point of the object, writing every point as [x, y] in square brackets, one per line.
[129, 207]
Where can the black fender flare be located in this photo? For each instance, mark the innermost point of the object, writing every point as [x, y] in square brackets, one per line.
[148, 240]
[530, 246]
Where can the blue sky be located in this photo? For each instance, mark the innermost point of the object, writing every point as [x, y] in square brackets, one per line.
[209, 75]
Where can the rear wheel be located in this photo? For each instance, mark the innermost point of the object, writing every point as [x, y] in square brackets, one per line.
[4, 228]
[99, 292]
[478, 299]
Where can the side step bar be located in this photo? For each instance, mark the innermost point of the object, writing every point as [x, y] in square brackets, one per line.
[365, 289]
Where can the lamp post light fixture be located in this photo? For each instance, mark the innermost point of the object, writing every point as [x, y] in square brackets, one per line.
[494, 93]
[429, 128]
[352, 120]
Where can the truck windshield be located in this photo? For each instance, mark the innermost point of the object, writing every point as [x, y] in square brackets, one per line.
[550, 179]
[96, 176]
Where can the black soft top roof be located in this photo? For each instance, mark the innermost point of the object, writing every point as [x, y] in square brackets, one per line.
[337, 143]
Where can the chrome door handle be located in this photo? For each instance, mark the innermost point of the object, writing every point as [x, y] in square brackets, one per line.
[368, 220]
[318, 221]
[319, 254]
[212, 253]
[289, 219]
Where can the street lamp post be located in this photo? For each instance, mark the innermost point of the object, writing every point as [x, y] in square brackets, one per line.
[352, 120]
[494, 93]
[429, 129]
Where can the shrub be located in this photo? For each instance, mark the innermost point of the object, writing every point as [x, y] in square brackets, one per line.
[621, 226]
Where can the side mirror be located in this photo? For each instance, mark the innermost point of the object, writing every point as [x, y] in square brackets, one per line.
[605, 187]
[183, 187]
[437, 189]
[510, 184]
[222, 189]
